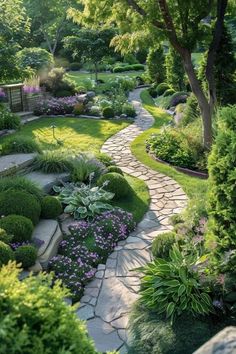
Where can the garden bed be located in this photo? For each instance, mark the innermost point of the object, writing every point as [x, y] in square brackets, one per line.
[187, 171]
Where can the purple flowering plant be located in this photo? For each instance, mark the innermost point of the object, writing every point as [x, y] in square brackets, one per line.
[88, 244]
[57, 106]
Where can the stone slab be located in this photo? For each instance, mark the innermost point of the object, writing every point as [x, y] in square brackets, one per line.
[10, 164]
[47, 180]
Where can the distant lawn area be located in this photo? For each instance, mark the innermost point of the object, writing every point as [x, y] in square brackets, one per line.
[78, 134]
[79, 77]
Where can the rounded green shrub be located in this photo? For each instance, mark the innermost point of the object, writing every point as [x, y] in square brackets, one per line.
[35, 58]
[20, 144]
[115, 169]
[51, 207]
[20, 203]
[129, 110]
[6, 253]
[20, 183]
[20, 227]
[9, 120]
[169, 92]
[26, 255]
[4, 237]
[115, 183]
[108, 112]
[38, 318]
[161, 88]
[162, 244]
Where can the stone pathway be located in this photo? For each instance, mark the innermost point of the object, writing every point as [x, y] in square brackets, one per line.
[108, 299]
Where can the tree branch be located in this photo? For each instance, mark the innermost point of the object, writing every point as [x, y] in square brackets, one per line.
[135, 6]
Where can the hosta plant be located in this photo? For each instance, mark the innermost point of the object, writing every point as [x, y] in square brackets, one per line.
[84, 201]
[175, 286]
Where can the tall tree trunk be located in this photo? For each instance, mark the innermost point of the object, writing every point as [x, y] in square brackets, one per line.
[204, 105]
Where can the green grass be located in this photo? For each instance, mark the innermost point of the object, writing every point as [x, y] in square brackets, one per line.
[138, 201]
[77, 134]
[191, 185]
[79, 77]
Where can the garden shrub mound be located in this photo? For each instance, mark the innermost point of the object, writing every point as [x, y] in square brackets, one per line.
[162, 244]
[36, 318]
[8, 120]
[129, 110]
[161, 88]
[20, 203]
[180, 147]
[86, 167]
[51, 207]
[26, 255]
[108, 112]
[105, 159]
[6, 253]
[20, 144]
[20, 183]
[115, 169]
[154, 334]
[20, 227]
[115, 183]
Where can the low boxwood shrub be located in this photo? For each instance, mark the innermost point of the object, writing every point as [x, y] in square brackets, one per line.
[115, 169]
[129, 110]
[6, 253]
[161, 88]
[108, 112]
[4, 237]
[177, 98]
[20, 203]
[36, 318]
[20, 183]
[8, 120]
[20, 144]
[20, 227]
[26, 255]
[51, 207]
[162, 244]
[153, 92]
[52, 162]
[115, 183]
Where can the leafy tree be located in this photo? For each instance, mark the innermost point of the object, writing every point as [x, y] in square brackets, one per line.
[155, 64]
[35, 58]
[224, 71]
[14, 25]
[48, 18]
[174, 70]
[91, 45]
[180, 22]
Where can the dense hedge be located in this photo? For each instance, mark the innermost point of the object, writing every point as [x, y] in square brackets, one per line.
[222, 195]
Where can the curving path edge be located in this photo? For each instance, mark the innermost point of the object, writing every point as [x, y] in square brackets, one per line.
[108, 298]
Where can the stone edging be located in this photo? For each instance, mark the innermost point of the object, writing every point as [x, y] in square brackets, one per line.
[108, 299]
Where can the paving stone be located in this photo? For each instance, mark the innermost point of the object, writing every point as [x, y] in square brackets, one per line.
[119, 279]
[86, 312]
[12, 163]
[114, 300]
[105, 338]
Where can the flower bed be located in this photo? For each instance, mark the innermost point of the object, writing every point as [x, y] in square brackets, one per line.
[57, 106]
[88, 244]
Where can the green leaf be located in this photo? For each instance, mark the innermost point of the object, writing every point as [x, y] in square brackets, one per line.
[181, 290]
[170, 309]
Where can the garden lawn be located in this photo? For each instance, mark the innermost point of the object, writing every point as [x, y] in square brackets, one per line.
[76, 134]
[191, 185]
[79, 77]
[136, 202]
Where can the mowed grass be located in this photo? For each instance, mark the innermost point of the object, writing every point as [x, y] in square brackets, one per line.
[79, 77]
[75, 134]
[137, 201]
[191, 185]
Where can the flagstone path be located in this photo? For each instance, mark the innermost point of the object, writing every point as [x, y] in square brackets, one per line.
[108, 298]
